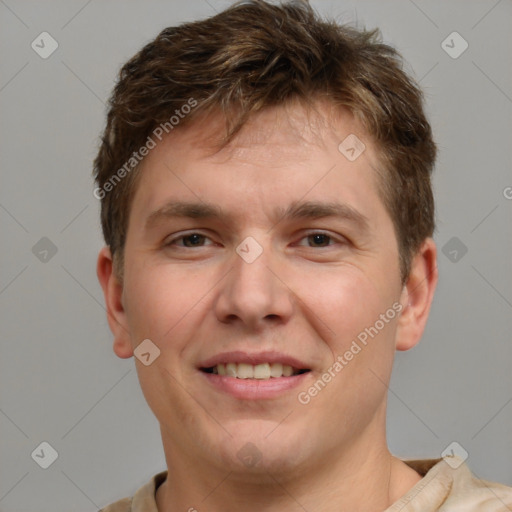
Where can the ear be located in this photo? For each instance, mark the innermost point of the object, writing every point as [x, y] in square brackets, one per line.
[113, 293]
[417, 296]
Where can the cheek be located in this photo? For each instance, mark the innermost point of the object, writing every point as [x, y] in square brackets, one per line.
[362, 348]
[346, 300]
[359, 340]
[158, 299]
[162, 305]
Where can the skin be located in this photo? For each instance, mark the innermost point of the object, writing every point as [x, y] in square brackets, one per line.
[304, 297]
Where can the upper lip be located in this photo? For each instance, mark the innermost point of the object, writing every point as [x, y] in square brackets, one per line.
[254, 358]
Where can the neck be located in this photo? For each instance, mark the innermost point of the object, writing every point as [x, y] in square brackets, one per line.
[365, 477]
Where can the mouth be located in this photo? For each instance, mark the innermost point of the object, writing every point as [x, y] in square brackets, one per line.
[250, 376]
[262, 371]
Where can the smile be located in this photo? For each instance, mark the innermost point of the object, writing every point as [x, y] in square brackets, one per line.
[262, 371]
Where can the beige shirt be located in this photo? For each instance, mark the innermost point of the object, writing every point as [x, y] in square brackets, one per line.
[442, 489]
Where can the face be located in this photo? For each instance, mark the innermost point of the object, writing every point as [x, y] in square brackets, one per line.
[267, 274]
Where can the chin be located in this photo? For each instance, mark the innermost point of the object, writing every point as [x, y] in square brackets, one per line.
[263, 447]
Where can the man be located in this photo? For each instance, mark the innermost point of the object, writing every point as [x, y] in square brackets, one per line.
[268, 214]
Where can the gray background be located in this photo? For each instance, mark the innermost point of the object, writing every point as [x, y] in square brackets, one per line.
[60, 381]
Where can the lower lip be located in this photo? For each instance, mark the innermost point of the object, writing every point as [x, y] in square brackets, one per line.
[255, 389]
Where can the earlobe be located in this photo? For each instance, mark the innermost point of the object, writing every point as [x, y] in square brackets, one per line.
[417, 296]
[113, 292]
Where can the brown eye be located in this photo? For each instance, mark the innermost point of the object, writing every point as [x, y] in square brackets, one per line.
[188, 241]
[194, 239]
[319, 239]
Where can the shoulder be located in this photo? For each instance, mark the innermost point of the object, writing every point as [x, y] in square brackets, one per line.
[144, 500]
[470, 493]
[448, 485]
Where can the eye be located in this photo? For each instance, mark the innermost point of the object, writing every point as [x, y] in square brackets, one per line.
[189, 240]
[320, 239]
[314, 239]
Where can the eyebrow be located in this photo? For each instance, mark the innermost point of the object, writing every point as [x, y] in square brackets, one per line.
[296, 210]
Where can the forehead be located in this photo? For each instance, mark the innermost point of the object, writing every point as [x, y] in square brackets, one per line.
[280, 156]
[285, 130]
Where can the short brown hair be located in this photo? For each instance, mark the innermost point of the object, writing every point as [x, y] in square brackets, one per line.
[255, 55]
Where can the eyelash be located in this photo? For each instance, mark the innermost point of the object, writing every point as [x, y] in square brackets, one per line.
[312, 233]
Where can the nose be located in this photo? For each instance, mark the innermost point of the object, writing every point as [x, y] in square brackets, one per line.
[254, 294]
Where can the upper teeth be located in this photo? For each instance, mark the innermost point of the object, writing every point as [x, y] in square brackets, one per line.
[258, 371]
